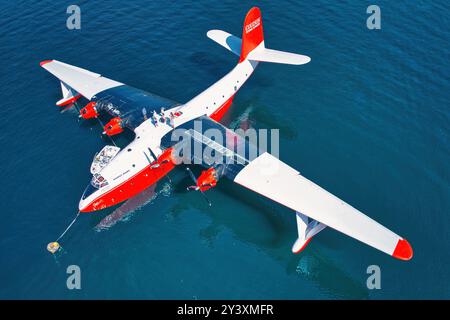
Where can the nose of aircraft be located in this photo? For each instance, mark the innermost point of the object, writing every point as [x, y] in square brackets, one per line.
[82, 205]
[86, 199]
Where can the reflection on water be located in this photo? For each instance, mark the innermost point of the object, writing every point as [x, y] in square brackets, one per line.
[253, 114]
[335, 282]
[124, 212]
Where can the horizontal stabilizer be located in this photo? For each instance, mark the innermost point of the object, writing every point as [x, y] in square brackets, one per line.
[275, 56]
[234, 44]
[226, 40]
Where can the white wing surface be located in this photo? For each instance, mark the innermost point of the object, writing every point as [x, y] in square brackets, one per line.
[276, 180]
[85, 82]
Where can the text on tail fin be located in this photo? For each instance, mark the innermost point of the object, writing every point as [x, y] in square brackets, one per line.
[252, 34]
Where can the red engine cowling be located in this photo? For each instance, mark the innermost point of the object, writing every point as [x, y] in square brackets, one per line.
[208, 179]
[89, 111]
[113, 127]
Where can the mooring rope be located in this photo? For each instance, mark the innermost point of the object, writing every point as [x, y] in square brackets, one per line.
[54, 246]
[70, 225]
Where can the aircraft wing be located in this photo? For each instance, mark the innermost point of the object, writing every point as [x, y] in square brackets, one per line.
[276, 180]
[85, 82]
[132, 105]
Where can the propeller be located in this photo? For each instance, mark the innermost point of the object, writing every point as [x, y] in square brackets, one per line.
[195, 187]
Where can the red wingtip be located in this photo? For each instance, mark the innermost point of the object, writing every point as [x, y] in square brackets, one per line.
[304, 246]
[44, 62]
[403, 250]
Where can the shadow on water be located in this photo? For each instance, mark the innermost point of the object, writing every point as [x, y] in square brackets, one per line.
[127, 208]
[270, 228]
[252, 114]
[211, 64]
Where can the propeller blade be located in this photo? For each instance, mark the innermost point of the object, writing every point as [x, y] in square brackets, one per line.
[191, 175]
[196, 188]
[206, 198]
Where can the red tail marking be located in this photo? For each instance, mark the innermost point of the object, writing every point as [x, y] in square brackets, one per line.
[252, 35]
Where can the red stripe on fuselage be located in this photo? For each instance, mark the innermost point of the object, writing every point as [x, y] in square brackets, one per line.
[220, 112]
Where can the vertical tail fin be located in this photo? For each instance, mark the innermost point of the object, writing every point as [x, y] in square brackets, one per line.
[252, 45]
[253, 48]
[252, 34]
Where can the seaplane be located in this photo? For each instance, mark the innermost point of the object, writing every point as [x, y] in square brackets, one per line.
[119, 174]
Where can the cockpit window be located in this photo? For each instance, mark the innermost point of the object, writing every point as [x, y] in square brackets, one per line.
[98, 181]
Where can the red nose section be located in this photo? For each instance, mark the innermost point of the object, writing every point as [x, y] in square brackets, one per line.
[403, 250]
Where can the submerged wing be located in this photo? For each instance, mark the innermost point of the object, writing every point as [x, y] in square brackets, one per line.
[276, 180]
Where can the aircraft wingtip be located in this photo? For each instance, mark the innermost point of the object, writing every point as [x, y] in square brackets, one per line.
[42, 63]
[403, 250]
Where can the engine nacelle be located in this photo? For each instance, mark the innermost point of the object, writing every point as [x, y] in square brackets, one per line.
[208, 179]
[113, 127]
[89, 111]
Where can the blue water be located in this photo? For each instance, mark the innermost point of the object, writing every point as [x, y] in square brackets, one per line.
[368, 119]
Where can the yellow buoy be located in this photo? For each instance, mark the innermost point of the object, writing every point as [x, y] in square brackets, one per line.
[53, 247]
